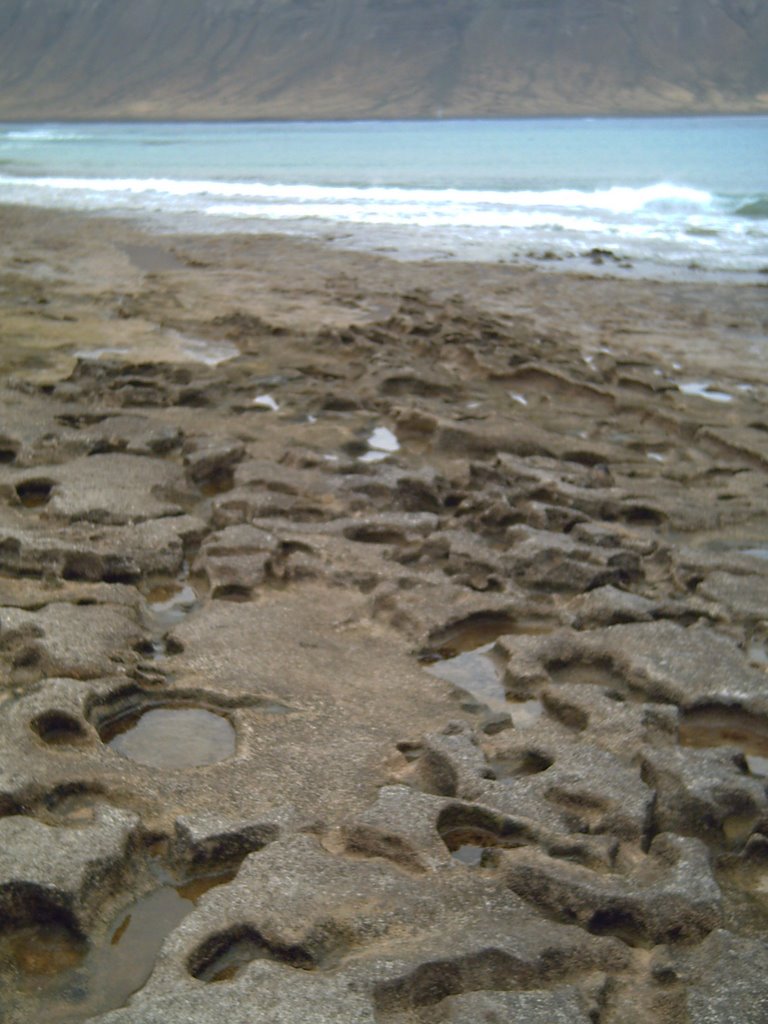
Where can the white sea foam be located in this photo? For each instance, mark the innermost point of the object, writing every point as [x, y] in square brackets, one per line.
[42, 135]
[474, 190]
[617, 200]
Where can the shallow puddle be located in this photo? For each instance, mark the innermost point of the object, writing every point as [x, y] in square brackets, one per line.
[467, 844]
[719, 727]
[704, 389]
[381, 443]
[757, 765]
[465, 657]
[757, 651]
[266, 402]
[170, 603]
[756, 552]
[93, 354]
[172, 737]
[167, 603]
[478, 630]
[57, 978]
[477, 673]
[197, 887]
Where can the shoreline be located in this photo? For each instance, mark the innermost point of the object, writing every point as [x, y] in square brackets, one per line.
[411, 119]
[398, 245]
[451, 582]
[701, 224]
[721, 311]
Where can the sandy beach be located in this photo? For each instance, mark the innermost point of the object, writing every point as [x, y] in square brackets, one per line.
[380, 642]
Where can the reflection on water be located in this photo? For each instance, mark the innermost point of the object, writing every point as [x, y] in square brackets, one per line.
[381, 443]
[477, 673]
[266, 402]
[757, 651]
[756, 552]
[172, 737]
[757, 765]
[467, 845]
[704, 389]
[92, 354]
[171, 603]
[465, 655]
[58, 979]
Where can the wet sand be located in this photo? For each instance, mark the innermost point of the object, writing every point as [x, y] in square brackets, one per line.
[469, 565]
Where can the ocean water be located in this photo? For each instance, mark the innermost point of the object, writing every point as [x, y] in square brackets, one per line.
[664, 196]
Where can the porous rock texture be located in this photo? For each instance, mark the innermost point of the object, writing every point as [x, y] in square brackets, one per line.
[497, 688]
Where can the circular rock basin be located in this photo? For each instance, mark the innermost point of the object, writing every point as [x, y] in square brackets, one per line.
[171, 737]
[467, 844]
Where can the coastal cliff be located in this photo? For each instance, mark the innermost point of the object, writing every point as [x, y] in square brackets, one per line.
[380, 58]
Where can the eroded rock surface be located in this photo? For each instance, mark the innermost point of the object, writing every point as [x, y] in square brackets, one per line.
[394, 700]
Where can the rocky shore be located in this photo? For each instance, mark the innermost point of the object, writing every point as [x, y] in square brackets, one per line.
[379, 642]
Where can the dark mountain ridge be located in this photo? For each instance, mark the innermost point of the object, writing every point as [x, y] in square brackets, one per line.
[380, 58]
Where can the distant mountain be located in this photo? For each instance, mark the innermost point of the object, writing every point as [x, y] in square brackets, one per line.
[379, 58]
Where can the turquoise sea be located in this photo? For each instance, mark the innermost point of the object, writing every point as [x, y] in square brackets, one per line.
[680, 196]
